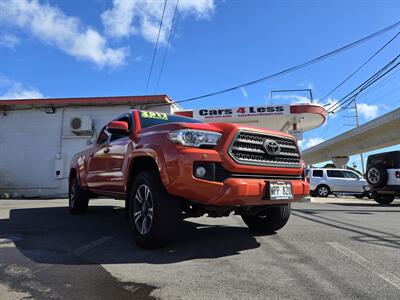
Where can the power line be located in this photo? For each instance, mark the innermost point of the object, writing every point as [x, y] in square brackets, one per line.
[294, 68]
[360, 67]
[346, 98]
[155, 48]
[349, 101]
[384, 82]
[349, 98]
[168, 43]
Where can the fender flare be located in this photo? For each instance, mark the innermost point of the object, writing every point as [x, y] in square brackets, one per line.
[155, 154]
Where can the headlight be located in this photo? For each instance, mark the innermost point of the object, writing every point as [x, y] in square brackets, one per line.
[194, 138]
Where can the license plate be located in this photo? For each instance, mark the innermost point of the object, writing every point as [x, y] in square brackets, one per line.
[280, 191]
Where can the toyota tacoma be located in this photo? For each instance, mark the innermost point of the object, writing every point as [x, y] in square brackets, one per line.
[169, 167]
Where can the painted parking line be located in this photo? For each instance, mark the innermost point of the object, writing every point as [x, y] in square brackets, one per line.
[81, 250]
[366, 264]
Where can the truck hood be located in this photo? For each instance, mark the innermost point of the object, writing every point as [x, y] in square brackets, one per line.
[224, 128]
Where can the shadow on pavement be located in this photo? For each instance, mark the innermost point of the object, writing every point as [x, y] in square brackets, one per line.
[374, 204]
[51, 235]
[363, 234]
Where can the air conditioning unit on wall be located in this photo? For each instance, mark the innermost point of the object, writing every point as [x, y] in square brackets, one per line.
[81, 125]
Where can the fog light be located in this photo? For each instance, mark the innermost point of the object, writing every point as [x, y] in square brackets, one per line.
[204, 170]
[200, 171]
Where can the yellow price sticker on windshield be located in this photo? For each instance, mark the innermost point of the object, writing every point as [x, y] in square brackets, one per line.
[154, 115]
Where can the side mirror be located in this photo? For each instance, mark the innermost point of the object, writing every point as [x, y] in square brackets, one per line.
[118, 127]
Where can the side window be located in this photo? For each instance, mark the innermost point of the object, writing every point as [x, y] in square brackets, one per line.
[348, 174]
[317, 173]
[335, 173]
[103, 137]
[116, 136]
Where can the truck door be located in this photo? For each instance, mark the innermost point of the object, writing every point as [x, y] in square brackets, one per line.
[115, 157]
[97, 163]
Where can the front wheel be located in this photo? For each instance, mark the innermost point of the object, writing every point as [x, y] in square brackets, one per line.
[153, 214]
[78, 198]
[383, 199]
[269, 220]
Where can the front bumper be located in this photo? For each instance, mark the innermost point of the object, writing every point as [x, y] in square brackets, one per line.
[230, 192]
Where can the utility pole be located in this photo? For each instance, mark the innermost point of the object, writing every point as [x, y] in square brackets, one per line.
[358, 124]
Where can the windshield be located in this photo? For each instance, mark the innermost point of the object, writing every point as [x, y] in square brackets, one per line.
[152, 118]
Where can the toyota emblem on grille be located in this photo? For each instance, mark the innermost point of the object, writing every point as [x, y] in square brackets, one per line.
[272, 147]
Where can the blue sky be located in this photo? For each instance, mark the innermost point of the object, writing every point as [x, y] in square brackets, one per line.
[104, 48]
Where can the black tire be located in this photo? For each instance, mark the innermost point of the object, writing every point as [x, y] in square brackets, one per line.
[157, 214]
[359, 196]
[383, 199]
[376, 175]
[268, 221]
[78, 198]
[323, 191]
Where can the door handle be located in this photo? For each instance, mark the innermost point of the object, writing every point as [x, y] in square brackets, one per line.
[106, 150]
[91, 154]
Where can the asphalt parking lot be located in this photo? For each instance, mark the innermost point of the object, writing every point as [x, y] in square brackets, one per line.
[331, 248]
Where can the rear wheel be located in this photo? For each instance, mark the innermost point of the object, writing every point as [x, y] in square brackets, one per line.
[359, 196]
[383, 199]
[78, 197]
[323, 191]
[376, 176]
[153, 214]
[269, 220]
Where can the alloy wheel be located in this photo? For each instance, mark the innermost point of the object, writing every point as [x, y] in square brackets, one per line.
[72, 193]
[323, 191]
[143, 209]
[373, 175]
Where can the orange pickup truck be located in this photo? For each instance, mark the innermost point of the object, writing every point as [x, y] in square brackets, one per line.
[169, 167]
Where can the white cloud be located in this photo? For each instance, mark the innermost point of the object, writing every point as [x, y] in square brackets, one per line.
[295, 99]
[308, 143]
[244, 93]
[18, 92]
[308, 85]
[15, 90]
[52, 26]
[368, 111]
[142, 17]
[9, 40]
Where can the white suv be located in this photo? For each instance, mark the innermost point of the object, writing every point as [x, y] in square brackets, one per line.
[335, 181]
[383, 176]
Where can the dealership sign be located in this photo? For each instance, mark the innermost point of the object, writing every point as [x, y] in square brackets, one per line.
[243, 111]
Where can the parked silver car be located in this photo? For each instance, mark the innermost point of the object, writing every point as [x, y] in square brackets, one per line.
[335, 181]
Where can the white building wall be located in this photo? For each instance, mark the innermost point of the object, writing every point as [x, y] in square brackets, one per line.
[36, 148]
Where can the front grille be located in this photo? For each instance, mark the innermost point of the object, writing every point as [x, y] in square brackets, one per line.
[247, 148]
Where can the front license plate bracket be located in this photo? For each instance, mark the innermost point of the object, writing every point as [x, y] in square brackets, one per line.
[279, 190]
